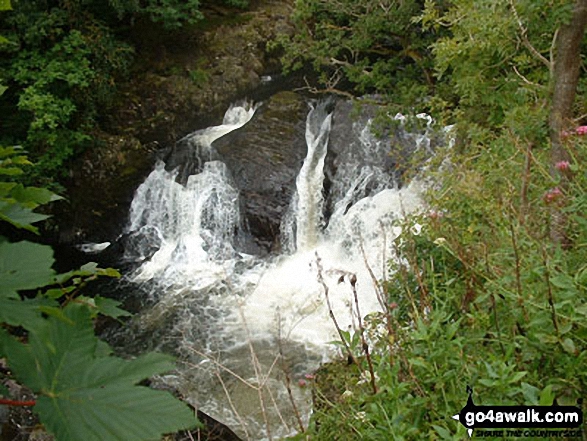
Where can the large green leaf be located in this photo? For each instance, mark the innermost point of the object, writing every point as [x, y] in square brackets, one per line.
[24, 265]
[33, 196]
[20, 216]
[25, 313]
[130, 413]
[87, 396]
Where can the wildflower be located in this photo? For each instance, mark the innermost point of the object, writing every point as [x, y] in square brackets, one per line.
[302, 382]
[347, 394]
[440, 241]
[565, 134]
[361, 416]
[552, 195]
[434, 215]
[562, 166]
[416, 229]
[581, 130]
[366, 377]
[393, 305]
[309, 376]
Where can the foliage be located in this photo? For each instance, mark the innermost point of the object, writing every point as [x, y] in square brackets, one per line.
[172, 14]
[374, 46]
[83, 392]
[478, 296]
[497, 56]
[72, 374]
[61, 67]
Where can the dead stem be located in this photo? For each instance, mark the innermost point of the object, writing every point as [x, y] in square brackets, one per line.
[332, 316]
[231, 404]
[288, 381]
[353, 281]
[550, 294]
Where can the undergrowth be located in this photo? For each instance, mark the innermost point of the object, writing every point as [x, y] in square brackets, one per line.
[478, 296]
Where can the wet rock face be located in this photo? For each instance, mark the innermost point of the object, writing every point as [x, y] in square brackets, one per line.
[264, 158]
[358, 147]
[99, 190]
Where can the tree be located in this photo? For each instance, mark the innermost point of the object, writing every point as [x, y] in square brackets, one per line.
[567, 64]
[362, 46]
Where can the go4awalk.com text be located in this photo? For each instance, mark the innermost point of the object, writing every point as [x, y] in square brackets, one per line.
[520, 421]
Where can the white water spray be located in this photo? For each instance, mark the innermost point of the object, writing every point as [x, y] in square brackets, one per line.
[250, 300]
[309, 183]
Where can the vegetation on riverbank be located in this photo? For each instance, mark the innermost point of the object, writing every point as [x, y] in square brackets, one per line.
[490, 286]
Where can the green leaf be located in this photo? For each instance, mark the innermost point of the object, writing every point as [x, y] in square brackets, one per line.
[530, 393]
[5, 5]
[63, 364]
[110, 307]
[24, 265]
[563, 281]
[87, 270]
[20, 216]
[34, 195]
[569, 345]
[444, 433]
[11, 171]
[25, 313]
[547, 396]
[517, 377]
[116, 412]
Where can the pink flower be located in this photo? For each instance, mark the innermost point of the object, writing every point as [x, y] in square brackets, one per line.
[302, 382]
[552, 195]
[393, 305]
[581, 130]
[434, 215]
[562, 166]
[309, 376]
[565, 134]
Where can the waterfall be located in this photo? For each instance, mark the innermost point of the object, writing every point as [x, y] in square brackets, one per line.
[310, 179]
[213, 298]
[193, 225]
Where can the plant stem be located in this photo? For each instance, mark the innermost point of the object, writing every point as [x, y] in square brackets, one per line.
[7, 402]
[550, 294]
[332, 316]
[353, 280]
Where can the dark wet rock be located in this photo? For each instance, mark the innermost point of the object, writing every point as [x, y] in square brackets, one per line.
[100, 190]
[384, 153]
[264, 158]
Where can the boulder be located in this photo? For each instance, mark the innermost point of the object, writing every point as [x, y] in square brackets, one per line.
[264, 158]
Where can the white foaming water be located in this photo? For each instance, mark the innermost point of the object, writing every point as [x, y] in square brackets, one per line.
[289, 299]
[91, 248]
[193, 225]
[309, 200]
[250, 300]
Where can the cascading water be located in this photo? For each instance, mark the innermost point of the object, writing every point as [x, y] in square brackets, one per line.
[308, 201]
[240, 321]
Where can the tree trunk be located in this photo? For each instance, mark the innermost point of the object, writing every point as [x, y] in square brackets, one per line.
[567, 65]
